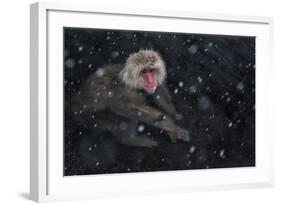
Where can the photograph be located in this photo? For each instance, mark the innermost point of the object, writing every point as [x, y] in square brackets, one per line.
[146, 101]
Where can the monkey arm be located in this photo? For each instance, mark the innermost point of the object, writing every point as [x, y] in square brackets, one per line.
[142, 112]
[150, 116]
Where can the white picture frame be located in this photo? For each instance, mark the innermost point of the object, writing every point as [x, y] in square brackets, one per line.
[47, 182]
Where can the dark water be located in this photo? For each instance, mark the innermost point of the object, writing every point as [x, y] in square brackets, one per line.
[212, 82]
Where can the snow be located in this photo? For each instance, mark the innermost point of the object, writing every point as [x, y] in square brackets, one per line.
[80, 48]
[70, 63]
[222, 153]
[176, 91]
[100, 72]
[141, 128]
[114, 54]
[188, 163]
[180, 84]
[240, 86]
[192, 149]
[199, 79]
[192, 89]
[203, 103]
[193, 49]
[230, 124]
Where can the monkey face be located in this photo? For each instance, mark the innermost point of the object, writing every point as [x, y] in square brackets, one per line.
[148, 76]
[144, 70]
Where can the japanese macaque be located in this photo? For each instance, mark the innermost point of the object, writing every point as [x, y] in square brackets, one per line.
[115, 98]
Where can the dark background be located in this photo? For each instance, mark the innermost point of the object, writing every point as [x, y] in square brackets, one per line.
[212, 82]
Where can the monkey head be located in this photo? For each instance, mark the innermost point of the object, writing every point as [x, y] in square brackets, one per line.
[144, 70]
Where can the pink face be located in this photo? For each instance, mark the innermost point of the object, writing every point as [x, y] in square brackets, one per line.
[148, 76]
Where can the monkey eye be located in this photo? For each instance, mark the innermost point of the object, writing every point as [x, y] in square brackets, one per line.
[148, 70]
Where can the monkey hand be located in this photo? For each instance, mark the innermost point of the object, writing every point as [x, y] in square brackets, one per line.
[179, 133]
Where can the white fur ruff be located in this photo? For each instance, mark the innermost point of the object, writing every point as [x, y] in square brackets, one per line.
[136, 62]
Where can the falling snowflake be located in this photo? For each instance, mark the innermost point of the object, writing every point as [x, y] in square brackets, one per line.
[69, 63]
[141, 128]
[100, 72]
[192, 89]
[180, 84]
[193, 49]
[199, 79]
[192, 149]
[114, 54]
[204, 103]
[240, 86]
[222, 153]
[80, 48]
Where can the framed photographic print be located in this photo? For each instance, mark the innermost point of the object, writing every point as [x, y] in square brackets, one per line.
[127, 102]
